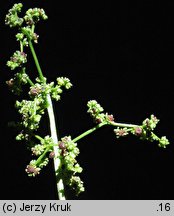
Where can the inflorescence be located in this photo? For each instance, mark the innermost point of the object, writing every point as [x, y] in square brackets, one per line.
[32, 109]
[143, 131]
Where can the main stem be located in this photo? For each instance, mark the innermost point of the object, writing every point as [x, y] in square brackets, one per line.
[57, 162]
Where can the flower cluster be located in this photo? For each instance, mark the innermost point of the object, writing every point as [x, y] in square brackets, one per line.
[44, 89]
[163, 142]
[31, 111]
[121, 132]
[23, 40]
[17, 60]
[144, 131]
[96, 112]
[15, 84]
[34, 168]
[57, 89]
[39, 94]
[28, 31]
[68, 153]
[47, 141]
[40, 150]
[76, 184]
[150, 123]
[64, 82]
[12, 19]
[35, 90]
[33, 15]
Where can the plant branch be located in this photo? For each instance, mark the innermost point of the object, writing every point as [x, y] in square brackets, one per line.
[36, 61]
[115, 124]
[42, 156]
[30, 81]
[88, 132]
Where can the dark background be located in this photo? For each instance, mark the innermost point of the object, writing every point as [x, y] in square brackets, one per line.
[123, 58]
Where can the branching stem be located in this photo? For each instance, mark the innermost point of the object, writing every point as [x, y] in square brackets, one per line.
[57, 162]
[115, 124]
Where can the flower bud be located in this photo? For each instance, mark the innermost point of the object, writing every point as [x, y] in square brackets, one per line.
[121, 132]
[10, 82]
[52, 154]
[138, 131]
[62, 145]
[110, 117]
[31, 169]
[34, 91]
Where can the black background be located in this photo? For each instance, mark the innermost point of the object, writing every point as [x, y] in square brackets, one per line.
[123, 58]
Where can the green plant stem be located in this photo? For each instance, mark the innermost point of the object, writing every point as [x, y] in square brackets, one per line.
[42, 156]
[30, 81]
[32, 28]
[36, 61]
[115, 124]
[57, 162]
[88, 132]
